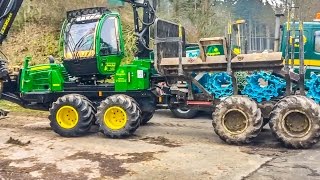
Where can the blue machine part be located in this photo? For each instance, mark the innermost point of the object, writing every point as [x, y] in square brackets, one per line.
[203, 81]
[264, 86]
[219, 84]
[313, 86]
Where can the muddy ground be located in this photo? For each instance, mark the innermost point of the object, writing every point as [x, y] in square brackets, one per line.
[167, 148]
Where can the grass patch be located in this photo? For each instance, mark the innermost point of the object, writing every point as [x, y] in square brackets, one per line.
[16, 109]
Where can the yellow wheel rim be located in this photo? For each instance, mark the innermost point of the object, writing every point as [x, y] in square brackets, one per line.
[67, 117]
[115, 118]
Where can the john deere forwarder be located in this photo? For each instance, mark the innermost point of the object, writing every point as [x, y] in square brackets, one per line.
[78, 92]
[93, 47]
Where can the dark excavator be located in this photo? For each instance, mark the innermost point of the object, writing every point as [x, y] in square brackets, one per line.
[8, 12]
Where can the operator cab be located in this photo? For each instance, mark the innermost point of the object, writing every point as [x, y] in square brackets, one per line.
[92, 45]
[311, 46]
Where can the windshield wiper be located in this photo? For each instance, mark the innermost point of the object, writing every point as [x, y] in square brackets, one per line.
[81, 43]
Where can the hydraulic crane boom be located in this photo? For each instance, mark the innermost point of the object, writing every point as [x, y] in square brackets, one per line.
[8, 12]
[143, 32]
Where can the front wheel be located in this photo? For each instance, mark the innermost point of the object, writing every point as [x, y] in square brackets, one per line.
[295, 121]
[71, 116]
[118, 116]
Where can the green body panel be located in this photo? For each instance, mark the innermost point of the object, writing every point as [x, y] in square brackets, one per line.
[108, 65]
[135, 76]
[146, 63]
[312, 57]
[42, 78]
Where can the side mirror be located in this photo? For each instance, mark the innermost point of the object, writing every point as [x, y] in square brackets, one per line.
[105, 51]
[51, 59]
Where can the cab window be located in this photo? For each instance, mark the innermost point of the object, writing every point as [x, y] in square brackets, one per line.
[109, 42]
[317, 41]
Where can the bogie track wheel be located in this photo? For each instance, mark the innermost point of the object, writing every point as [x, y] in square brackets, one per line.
[237, 120]
[295, 121]
[118, 116]
[184, 112]
[71, 116]
[146, 117]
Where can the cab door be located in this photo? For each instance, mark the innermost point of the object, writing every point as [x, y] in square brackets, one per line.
[316, 47]
[110, 46]
[312, 57]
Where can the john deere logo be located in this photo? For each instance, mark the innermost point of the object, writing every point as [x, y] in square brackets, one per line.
[213, 51]
[110, 67]
[121, 73]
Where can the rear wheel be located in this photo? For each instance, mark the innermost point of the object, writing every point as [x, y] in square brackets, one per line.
[237, 120]
[118, 116]
[71, 116]
[295, 121]
[184, 112]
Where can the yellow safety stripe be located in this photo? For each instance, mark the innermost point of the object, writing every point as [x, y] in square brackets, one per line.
[81, 54]
[307, 62]
[40, 68]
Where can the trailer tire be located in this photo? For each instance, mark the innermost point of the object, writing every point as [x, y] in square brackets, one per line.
[295, 122]
[184, 113]
[237, 120]
[72, 107]
[146, 117]
[118, 116]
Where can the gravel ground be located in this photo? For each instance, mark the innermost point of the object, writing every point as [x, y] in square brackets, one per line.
[167, 148]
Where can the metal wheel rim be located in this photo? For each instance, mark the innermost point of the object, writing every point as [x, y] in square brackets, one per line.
[115, 118]
[242, 122]
[67, 117]
[291, 123]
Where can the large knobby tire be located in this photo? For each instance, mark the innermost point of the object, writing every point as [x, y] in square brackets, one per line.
[295, 121]
[4, 71]
[184, 113]
[266, 109]
[237, 120]
[1, 87]
[71, 116]
[146, 117]
[94, 109]
[118, 116]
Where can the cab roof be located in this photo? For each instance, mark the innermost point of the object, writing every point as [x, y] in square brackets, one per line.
[87, 12]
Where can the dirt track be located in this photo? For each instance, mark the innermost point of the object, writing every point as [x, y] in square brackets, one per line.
[167, 148]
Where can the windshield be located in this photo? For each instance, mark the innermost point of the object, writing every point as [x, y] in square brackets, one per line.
[80, 38]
